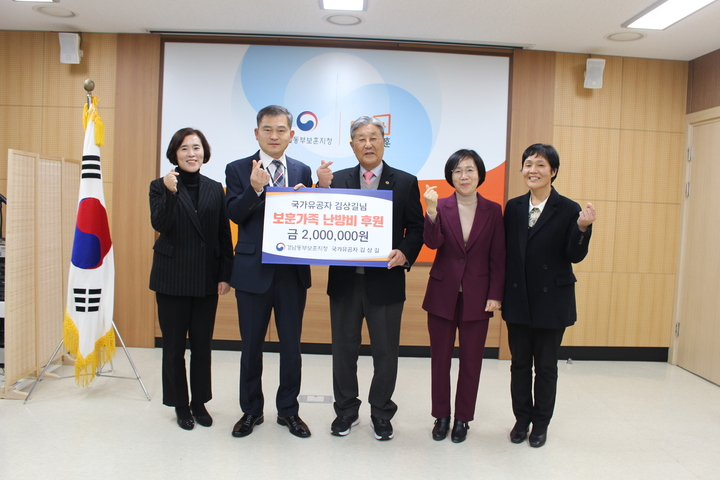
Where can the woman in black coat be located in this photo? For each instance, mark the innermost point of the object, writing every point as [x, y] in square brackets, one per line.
[545, 234]
[192, 262]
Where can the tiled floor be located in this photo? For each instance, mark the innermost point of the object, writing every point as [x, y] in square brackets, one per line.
[614, 420]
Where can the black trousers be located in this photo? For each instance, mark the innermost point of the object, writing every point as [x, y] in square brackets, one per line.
[194, 318]
[536, 347]
[383, 322]
[286, 298]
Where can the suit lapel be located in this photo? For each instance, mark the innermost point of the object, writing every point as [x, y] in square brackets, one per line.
[387, 177]
[187, 204]
[450, 212]
[479, 222]
[521, 215]
[353, 179]
[547, 213]
[293, 175]
[205, 198]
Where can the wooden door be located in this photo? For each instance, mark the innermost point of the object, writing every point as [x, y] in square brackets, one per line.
[697, 336]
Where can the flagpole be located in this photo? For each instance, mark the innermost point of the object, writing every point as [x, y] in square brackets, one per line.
[93, 119]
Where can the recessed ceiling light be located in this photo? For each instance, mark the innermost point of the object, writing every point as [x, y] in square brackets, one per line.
[660, 15]
[625, 36]
[36, 1]
[343, 20]
[54, 11]
[352, 5]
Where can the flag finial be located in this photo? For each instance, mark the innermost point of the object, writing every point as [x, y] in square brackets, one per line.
[89, 86]
[91, 111]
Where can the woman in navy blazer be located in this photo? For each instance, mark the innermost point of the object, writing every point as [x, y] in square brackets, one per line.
[465, 286]
[192, 261]
[546, 233]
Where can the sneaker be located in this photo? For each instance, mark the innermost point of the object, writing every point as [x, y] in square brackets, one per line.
[383, 428]
[343, 423]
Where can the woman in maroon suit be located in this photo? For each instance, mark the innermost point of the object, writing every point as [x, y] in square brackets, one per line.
[465, 286]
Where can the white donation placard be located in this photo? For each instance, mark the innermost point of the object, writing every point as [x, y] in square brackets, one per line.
[324, 226]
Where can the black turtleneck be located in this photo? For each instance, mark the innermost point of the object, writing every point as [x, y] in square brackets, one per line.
[191, 180]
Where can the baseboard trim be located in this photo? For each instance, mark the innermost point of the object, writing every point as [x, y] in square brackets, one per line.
[620, 354]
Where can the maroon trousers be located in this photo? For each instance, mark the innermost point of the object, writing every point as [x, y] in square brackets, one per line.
[472, 335]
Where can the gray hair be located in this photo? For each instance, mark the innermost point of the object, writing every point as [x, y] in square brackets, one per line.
[365, 120]
[273, 111]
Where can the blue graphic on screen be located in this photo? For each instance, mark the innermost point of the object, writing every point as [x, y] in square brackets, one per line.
[306, 121]
[326, 89]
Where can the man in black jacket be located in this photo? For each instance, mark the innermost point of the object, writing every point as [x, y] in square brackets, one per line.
[376, 294]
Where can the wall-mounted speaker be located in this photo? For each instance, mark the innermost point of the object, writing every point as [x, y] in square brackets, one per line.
[70, 47]
[594, 68]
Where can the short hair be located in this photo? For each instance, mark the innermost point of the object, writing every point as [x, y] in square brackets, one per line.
[274, 111]
[365, 120]
[177, 140]
[547, 152]
[458, 157]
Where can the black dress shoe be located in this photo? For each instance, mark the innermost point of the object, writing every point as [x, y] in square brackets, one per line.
[245, 425]
[295, 424]
[459, 431]
[186, 423]
[518, 434]
[184, 419]
[201, 414]
[441, 428]
[537, 441]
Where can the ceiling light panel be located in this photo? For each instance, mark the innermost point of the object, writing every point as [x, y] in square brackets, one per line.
[661, 15]
[348, 5]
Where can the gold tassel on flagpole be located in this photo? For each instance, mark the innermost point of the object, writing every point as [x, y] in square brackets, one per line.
[99, 131]
[86, 367]
[92, 113]
[86, 116]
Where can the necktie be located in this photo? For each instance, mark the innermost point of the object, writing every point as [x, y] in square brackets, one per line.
[279, 177]
[368, 177]
[534, 214]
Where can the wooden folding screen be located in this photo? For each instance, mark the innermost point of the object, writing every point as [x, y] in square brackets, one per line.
[42, 198]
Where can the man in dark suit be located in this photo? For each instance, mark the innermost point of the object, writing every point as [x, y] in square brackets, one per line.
[261, 288]
[545, 234]
[376, 294]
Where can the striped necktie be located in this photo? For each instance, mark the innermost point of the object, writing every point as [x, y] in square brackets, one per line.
[279, 177]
